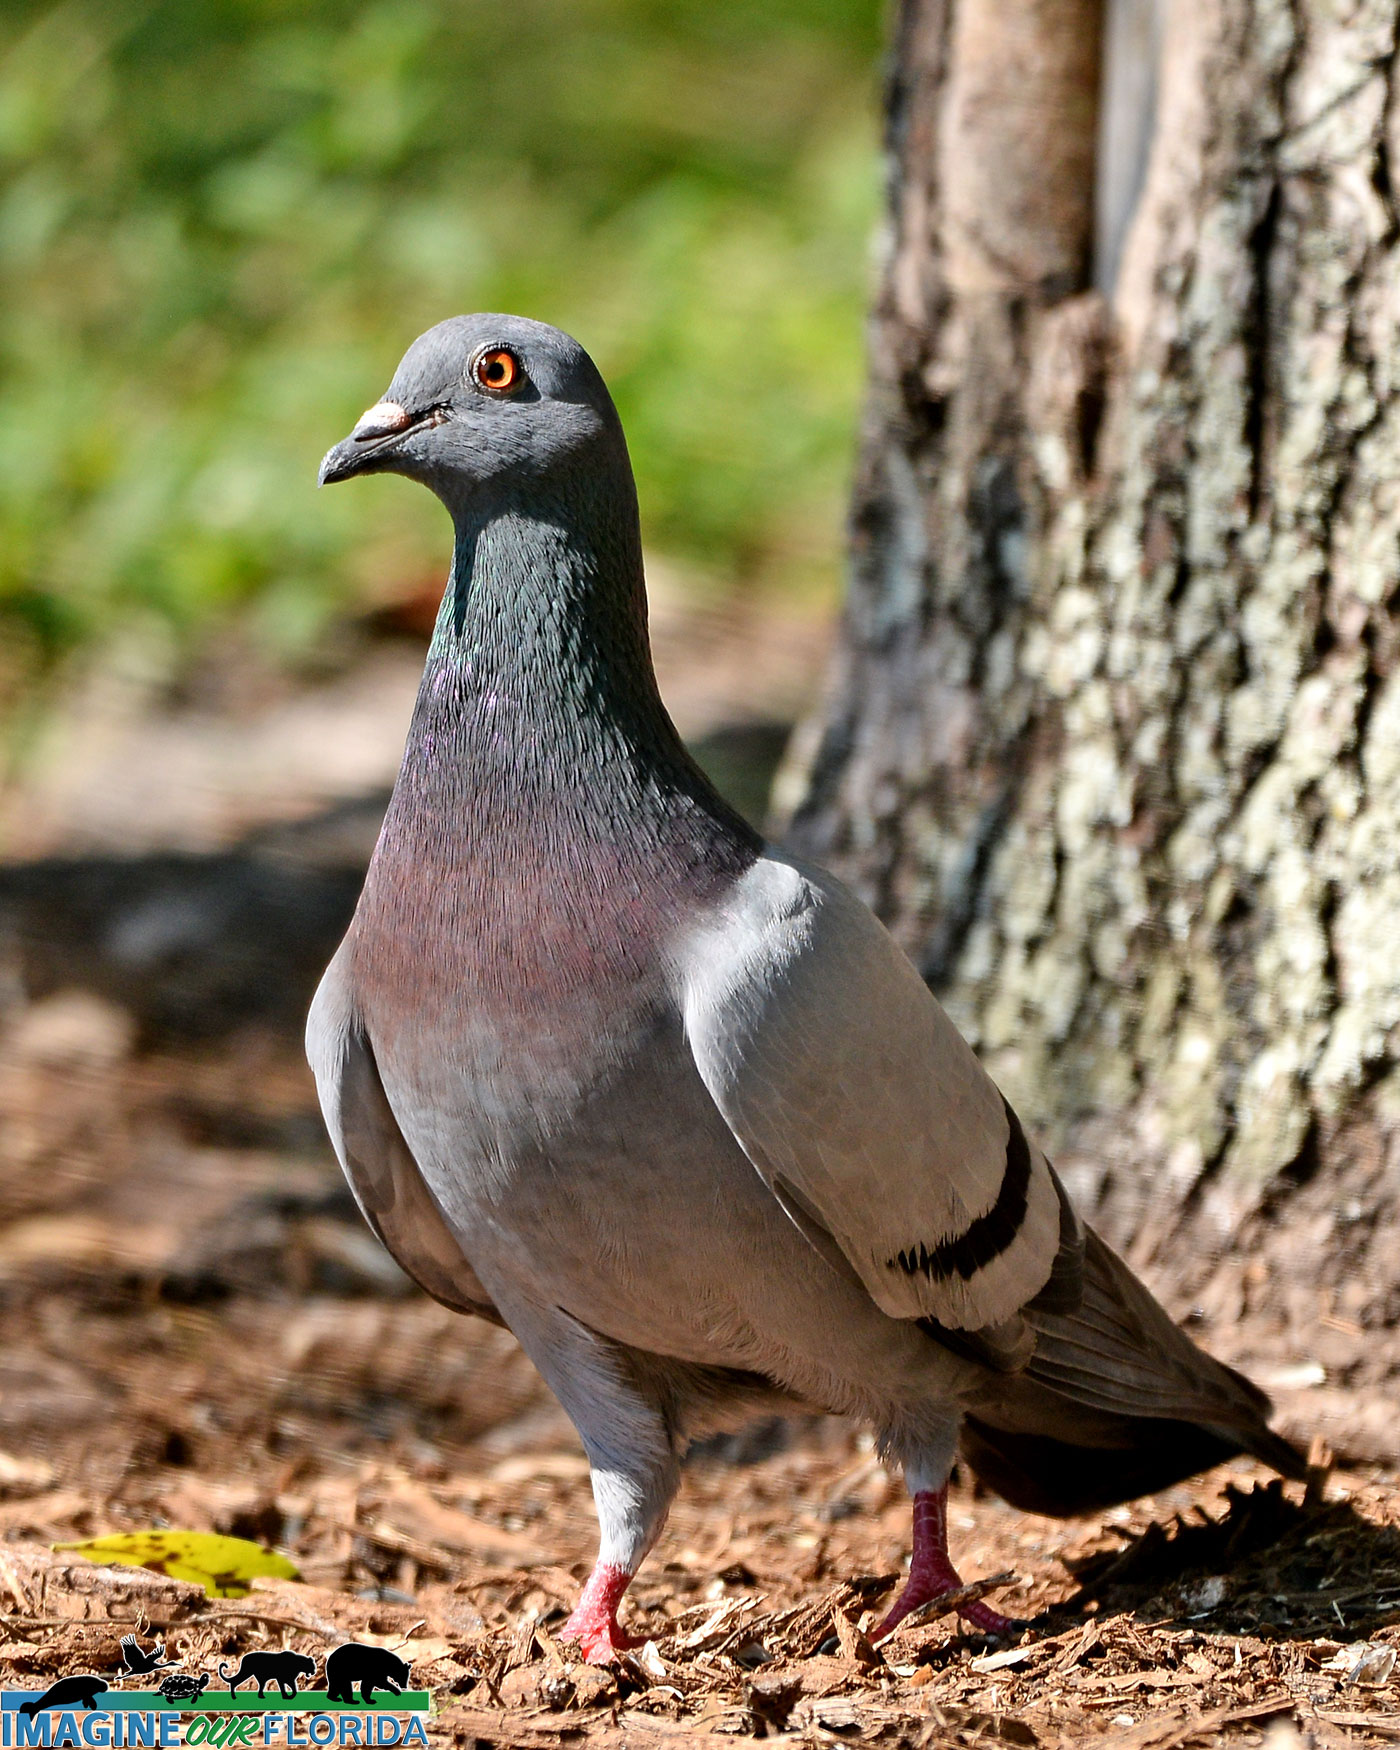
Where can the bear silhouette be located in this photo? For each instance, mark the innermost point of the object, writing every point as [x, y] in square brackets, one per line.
[371, 1667]
[283, 1669]
[67, 1692]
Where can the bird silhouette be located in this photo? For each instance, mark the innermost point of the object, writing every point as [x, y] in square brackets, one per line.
[137, 1663]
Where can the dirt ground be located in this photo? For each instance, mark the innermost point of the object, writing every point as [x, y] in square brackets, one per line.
[197, 1331]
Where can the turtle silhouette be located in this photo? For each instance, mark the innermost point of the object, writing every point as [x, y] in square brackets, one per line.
[67, 1692]
[179, 1686]
[371, 1667]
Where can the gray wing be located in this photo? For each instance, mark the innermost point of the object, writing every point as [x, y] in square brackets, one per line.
[1116, 1402]
[378, 1163]
[865, 1110]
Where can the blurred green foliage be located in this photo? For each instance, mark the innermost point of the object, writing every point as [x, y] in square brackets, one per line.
[221, 221]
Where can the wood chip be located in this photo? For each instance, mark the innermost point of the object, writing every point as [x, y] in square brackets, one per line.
[855, 1648]
[1387, 1725]
[1001, 1661]
[716, 1626]
[414, 1512]
[43, 1512]
[1167, 1734]
[1084, 1643]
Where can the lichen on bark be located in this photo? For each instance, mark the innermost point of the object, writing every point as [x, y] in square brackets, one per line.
[1113, 739]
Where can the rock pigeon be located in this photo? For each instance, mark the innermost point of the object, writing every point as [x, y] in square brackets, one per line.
[603, 1065]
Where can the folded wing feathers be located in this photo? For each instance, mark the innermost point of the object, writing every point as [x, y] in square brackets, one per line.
[988, 1235]
[1001, 1258]
[1120, 1352]
[376, 1160]
[842, 1078]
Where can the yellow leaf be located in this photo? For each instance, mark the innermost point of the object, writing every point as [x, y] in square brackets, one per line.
[222, 1565]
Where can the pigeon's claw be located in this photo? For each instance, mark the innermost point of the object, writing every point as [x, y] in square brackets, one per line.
[989, 1621]
[594, 1623]
[932, 1574]
[981, 1616]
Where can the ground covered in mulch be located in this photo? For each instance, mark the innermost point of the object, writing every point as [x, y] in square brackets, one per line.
[196, 1331]
[1213, 1622]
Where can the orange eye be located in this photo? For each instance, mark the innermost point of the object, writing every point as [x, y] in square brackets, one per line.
[497, 370]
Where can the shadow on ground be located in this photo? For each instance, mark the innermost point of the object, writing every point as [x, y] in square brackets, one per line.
[1268, 1565]
[193, 946]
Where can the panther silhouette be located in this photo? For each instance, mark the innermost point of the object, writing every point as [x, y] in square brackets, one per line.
[284, 1669]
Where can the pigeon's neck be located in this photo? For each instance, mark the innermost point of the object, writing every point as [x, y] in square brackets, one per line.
[539, 722]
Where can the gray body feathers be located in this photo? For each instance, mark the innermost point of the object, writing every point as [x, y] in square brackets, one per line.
[675, 1108]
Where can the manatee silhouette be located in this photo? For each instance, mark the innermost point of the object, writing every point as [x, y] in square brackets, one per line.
[371, 1667]
[67, 1692]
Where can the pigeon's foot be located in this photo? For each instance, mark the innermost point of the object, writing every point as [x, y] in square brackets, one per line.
[594, 1622]
[932, 1574]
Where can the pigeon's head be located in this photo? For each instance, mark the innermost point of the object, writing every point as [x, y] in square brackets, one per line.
[480, 403]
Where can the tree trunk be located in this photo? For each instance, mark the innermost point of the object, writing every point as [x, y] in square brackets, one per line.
[1113, 736]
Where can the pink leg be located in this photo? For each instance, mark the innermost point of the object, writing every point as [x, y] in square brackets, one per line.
[594, 1622]
[931, 1573]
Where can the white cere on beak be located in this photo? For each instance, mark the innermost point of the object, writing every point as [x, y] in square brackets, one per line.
[381, 420]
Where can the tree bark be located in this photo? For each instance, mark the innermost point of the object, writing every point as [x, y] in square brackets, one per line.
[1112, 740]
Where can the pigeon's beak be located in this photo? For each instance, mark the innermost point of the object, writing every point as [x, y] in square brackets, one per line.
[378, 429]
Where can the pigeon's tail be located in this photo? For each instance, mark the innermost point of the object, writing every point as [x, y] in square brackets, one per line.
[1116, 1402]
[1040, 1474]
